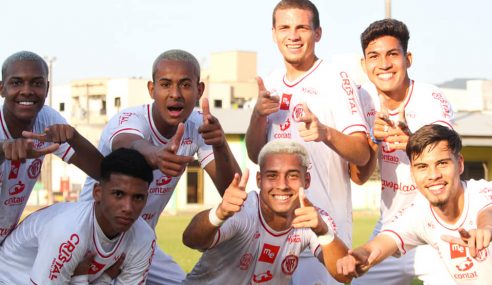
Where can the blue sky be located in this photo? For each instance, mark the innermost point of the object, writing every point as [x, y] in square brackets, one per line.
[118, 38]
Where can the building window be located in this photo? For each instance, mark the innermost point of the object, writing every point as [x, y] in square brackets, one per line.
[117, 101]
[474, 170]
[103, 107]
[62, 107]
[218, 103]
[194, 183]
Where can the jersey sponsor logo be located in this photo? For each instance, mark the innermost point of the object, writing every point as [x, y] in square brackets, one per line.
[328, 219]
[309, 90]
[148, 216]
[294, 238]
[6, 231]
[14, 169]
[269, 253]
[465, 265]
[285, 125]
[386, 149]
[124, 117]
[395, 186]
[446, 113]
[349, 90]
[95, 267]
[263, 277]
[186, 141]
[390, 158]
[282, 135]
[34, 169]
[17, 188]
[371, 113]
[289, 264]
[482, 255]
[13, 201]
[468, 275]
[487, 192]
[285, 102]
[160, 190]
[245, 261]
[64, 255]
[457, 251]
[163, 180]
[297, 113]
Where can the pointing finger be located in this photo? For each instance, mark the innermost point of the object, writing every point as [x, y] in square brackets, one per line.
[176, 139]
[244, 179]
[306, 114]
[205, 110]
[30, 135]
[261, 85]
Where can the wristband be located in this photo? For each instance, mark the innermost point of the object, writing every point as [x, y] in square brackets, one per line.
[374, 140]
[212, 217]
[326, 238]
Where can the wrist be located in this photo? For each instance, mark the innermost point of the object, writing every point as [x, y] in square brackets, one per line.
[213, 218]
[326, 238]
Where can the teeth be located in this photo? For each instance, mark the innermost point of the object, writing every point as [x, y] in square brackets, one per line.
[385, 75]
[435, 187]
[26, 103]
[281, 197]
[294, 46]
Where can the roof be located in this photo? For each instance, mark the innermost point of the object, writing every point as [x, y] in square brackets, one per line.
[475, 128]
[458, 83]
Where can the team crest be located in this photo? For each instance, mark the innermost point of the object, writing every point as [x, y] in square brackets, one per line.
[34, 168]
[289, 264]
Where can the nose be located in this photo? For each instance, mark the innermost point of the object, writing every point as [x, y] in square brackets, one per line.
[385, 62]
[282, 182]
[175, 92]
[26, 88]
[293, 35]
[127, 206]
[434, 173]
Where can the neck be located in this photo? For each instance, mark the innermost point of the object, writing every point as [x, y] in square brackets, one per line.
[274, 220]
[452, 210]
[15, 125]
[296, 70]
[163, 128]
[393, 99]
[103, 224]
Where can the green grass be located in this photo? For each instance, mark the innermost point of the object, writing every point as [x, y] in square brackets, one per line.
[170, 229]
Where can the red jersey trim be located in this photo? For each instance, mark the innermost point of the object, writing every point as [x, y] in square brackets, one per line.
[122, 130]
[445, 226]
[4, 127]
[216, 241]
[151, 124]
[399, 237]
[206, 157]
[66, 152]
[266, 226]
[406, 99]
[447, 124]
[95, 243]
[313, 68]
[353, 126]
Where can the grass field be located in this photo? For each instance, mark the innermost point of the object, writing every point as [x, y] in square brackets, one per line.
[170, 228]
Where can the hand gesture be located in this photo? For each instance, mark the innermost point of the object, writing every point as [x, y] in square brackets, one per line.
[356, 262]
[114, 270]
[266, 103]
[310, 128]
[84, 265]
[475, 240]
[306, 216]
[234, 196]
[211, 130]
[168, 161]
[59, 133]
[22, 149]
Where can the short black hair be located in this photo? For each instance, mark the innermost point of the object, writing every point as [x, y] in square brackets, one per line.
[298, 4]
[432, 135]
[386, 27]
[177, 55]
[20, 56]
[128, 162]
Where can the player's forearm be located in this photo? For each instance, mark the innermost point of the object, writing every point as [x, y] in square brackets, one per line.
[360, 174]
[87, 157]
[200, 233]
[225, 167]
[331, 253]
[256, 136]
[147, 149]
[484, 219]
[353, 148]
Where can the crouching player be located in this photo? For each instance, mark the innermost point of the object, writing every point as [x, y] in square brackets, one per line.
[83, 242]
[255, 238]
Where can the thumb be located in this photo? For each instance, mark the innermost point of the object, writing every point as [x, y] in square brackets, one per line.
[261, 85]
[205, 110]
[306, 116]
[373, 256]
[302, 197]
[176, 139]
[244, 180]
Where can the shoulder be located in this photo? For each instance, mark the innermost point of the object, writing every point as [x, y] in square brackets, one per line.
[48, 115]
[141, 234]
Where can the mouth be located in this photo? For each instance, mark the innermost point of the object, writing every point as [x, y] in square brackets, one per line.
[25, 102]
[175, 109]
[386, 76]
[124, 221]
[281, 197]
[293, 47]
[436, 189]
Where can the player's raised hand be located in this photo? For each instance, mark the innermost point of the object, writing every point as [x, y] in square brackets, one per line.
[114, 270]
[58, 133]
[306, 216]
[22, 149]
[357, 262]
[211, 130]
[85, 264]
[234, 196]
[310, 128]
[475, 239]
[168, 161]
[266, 103]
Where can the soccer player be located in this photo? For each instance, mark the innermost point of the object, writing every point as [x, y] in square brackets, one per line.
[453, 216]
[317, 105]
[50, 244]
[394, 107]
[30, 130]
[168, 133]
[255, 238]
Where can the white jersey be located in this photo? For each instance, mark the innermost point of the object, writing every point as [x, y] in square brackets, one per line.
[420, 225]
[138, 121]
[247, 251]
[332, 97]
[424, 104]
[49, 244]
[18, 179]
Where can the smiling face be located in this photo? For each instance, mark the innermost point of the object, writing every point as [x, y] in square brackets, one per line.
[175, 90]
[385, 64]
[24, 88]
[279, 180]
[119, 202]
[295, 36]
[437, 174]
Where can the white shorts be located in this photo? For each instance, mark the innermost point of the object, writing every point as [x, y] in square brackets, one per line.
[422, 262]
[164, 270]
[310, 271]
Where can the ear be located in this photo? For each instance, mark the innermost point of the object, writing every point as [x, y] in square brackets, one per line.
[258, 180]
[150, 87]
[363, 64]
[409, 59]
[461, 162]
[97, 192]
[201, 89]
[273, 35]
[1, 88]
[317, 34]
[307, 180]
